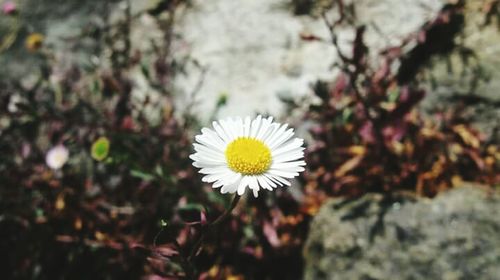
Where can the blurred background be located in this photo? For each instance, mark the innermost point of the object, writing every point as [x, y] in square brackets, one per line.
[398, 101]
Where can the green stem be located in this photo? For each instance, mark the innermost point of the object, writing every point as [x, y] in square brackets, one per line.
[191, 273]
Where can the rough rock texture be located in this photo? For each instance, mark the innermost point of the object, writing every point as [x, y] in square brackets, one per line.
[67, 29]
[454, 236]
[475, 81]
[62, 22]
[253, 51]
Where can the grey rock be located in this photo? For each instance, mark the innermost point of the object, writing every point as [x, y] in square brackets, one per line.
[67, 26]
[475, 81]
[253, 51]
[453, 236]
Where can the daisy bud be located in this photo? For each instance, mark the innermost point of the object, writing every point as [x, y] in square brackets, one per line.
[57, 157]
[9, 8]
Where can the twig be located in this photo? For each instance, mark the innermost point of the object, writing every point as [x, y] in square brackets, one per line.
[354, 72]
[334, 39]
[192, 96]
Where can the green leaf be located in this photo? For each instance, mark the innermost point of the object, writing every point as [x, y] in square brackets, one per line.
[393, 95]
[217, 198]
[145, 70]
[95, 87]
[221, 100]
[163, 223]
[346, 115]
[248, 232]
[100, 149]
[39, 212]
[159, 171]
[142, 175]
[192, 206]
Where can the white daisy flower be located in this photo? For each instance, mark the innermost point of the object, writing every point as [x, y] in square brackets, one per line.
[259, 154]
[57, 157]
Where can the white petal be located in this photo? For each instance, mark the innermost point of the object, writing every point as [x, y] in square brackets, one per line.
[290, 169]
[253, 183]
[269, 181]
[210, 158]
[213, 170]
[288, 147]
[209, 142]
[206, 159]
[206, 156]
[233, 178]
[255, 193]
[279, 165]
[199, 164]
[284, 157]
[246, 127]
[227, 177]
[212, 135]
[255, 126]
[282, 139]
[231, 188]
[294, 169]
[264, 130]
[222, 134]
[212, 177]
[217, 184]
[279, 180]
[283, 173]
[263, 183]
[238, 127]
[243, 185]
[228, 128]
[276, 135]
[207, 150]
[270, 132]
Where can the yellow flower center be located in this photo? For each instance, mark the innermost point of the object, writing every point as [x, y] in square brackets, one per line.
[248, 156]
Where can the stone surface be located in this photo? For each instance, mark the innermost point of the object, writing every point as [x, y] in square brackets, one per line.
[251, 49]
[57, 20]
[453, 236]
[254, 53]
[450, 80]
[62, 23]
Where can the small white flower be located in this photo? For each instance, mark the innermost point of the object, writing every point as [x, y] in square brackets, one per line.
[257, 154]
[57, 157]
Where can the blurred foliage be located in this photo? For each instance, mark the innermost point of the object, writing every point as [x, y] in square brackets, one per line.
[97, 216]
[128, 203]
[368, 134]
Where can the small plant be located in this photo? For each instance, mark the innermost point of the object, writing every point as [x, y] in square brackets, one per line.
[370, 137]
